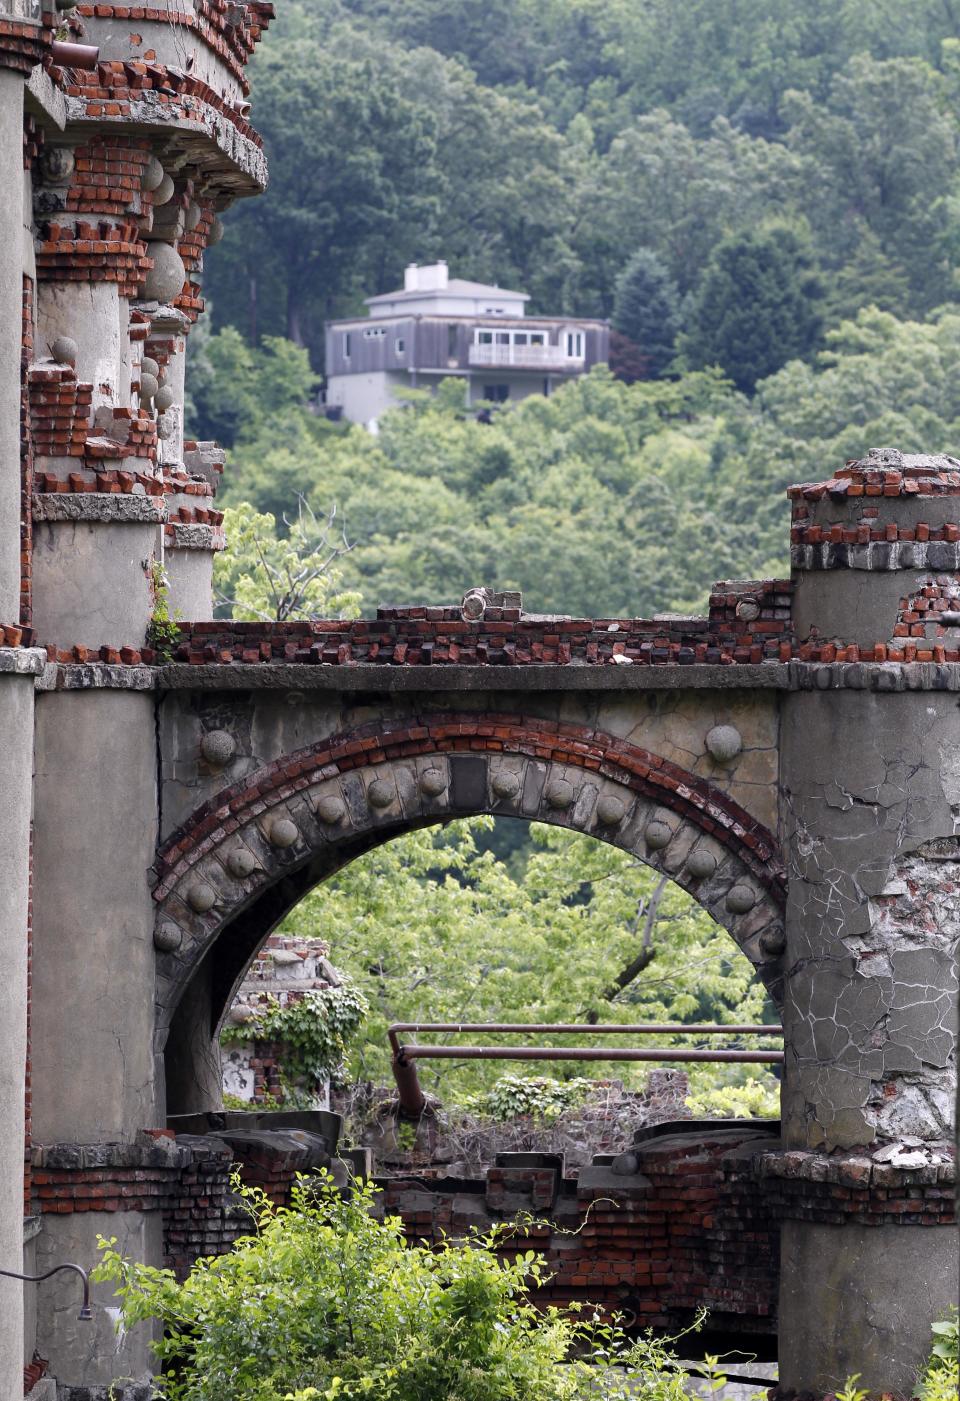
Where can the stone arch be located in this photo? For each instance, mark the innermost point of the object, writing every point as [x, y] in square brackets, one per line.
[245, 858]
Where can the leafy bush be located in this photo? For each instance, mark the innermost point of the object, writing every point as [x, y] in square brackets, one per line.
[941, 1378]
[539, 1096]
[324, 1302]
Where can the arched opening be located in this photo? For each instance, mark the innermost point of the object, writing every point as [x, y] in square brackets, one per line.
[230, 877]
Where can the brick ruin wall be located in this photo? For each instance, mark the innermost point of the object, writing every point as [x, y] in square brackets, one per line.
[688, 1218]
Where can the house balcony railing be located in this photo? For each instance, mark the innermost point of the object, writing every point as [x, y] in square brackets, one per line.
[525, 357]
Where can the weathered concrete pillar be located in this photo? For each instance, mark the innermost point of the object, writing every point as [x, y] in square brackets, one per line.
[11, 305]
[93, 993]
[870, 792]
[17, 673]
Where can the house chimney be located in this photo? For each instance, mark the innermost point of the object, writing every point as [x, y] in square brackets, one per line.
[411, 278]
[434, 277]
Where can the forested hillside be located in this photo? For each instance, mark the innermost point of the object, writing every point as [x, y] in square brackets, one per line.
[763, 194]
[542, 143]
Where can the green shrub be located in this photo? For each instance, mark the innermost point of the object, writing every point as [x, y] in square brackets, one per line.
[941, 1377]
[540, 1096]
[323, 1303]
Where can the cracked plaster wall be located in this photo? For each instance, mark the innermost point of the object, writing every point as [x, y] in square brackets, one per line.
[871, 803]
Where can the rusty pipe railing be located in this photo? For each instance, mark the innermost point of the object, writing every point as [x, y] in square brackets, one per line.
[413, 1101]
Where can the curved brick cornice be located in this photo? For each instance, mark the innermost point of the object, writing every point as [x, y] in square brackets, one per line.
[319, 807]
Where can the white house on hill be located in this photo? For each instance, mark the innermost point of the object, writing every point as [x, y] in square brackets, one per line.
[437, 326]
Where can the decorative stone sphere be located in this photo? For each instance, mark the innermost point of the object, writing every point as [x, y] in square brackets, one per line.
[167, 276]
[148, 387]
[149, 366]
[505, 785]
[330, 810]
[219, 748]
[153, 173]
[740, 899]
[381, 794]
[240, 1014]
[657, 835]
[724, 743]
[57, 164]
[610, 810]
[164, 398]
[167, 937]
[216, 231]
[473, 606]
[625, 1164]
[560, 794]
[241, 863]
[201, 897]
[163, 193]
[433, 782]
[65, 350]
[748, 609]
[701, 864]
[283, 832]
[773, 941]
[193, 216]
[165, 429]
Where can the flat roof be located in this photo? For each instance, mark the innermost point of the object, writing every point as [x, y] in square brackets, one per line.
[525, 322]
[455, 287]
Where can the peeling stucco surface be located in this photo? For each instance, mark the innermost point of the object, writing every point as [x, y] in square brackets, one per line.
[870, 794]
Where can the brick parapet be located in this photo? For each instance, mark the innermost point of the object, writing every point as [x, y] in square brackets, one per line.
[24, 43]
[232, 42]
[890, 1185]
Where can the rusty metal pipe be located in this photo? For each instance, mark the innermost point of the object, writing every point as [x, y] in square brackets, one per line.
[409, 1093]
[594, 1029]
[587, 1053]
[67, 55]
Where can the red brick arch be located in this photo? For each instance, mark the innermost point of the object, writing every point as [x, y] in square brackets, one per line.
[429, 768]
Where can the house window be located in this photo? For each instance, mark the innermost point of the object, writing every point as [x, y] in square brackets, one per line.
[538, 338]
[520, 337]
[373, 333]
[452, 342]
[346, 345]
[483, 337]
[503, 337]
[496, 393]
[400, 346]
[574, 340]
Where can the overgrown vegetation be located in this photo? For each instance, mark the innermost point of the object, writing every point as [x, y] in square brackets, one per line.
[323, 1303]
[314, 1028]
[433, 925]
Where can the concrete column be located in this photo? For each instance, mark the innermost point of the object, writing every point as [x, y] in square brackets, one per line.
[870, 797]
[16, 752]
[11, 307]
[95, 831]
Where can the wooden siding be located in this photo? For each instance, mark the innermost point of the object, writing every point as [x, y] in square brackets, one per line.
[443, 343]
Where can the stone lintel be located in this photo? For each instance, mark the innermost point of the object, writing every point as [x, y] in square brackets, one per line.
[99, 507]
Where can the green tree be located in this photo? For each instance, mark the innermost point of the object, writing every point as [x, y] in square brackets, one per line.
[432, 928]
[266, 577]
[883, 147]
[757, 307]
[352, 180]
[647, 310]
[236, 387]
